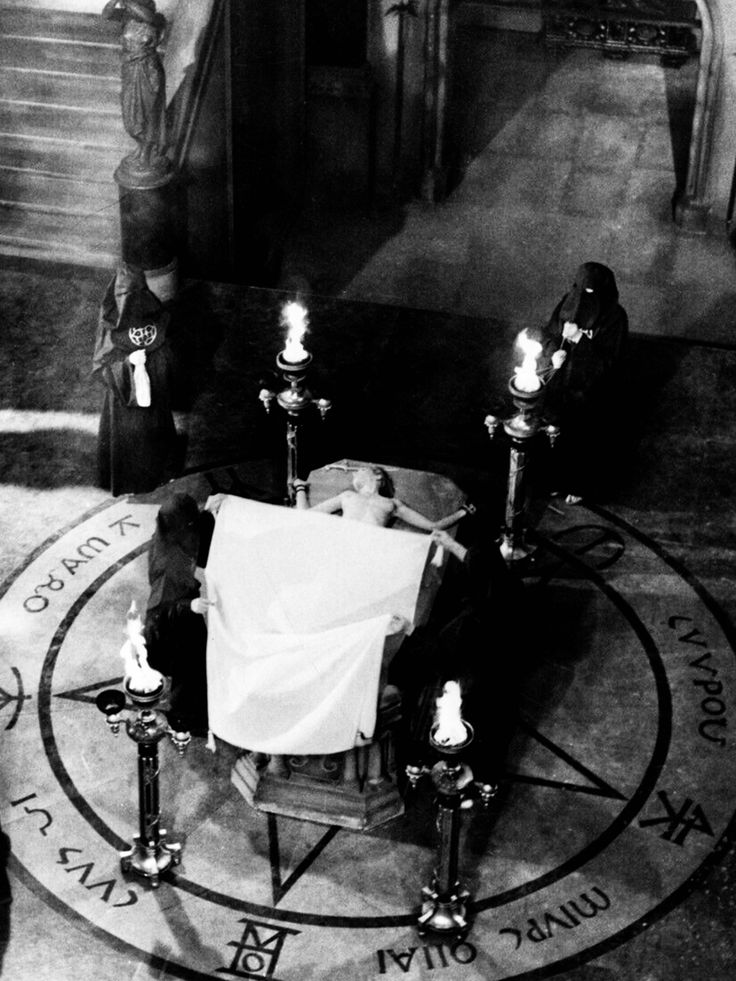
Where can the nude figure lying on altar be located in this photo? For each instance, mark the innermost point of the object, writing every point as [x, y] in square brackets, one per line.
[371, 500]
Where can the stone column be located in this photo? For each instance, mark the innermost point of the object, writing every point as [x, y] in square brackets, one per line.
[145, 178]
[148, 227]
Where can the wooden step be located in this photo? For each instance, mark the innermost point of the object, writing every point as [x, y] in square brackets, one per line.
[60, 88]
[24, 20]
[68, 194]
[60, 55]
[103, 127]
[61, 158]
[91, 240]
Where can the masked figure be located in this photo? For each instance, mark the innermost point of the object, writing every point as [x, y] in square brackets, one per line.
[584, 342]
[137, 447]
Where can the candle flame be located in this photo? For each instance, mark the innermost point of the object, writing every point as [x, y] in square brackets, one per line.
[450, 729]
[294, 317]
[134, 653]
[526, 378]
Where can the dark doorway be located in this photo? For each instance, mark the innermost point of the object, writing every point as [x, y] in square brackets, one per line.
[596, 135]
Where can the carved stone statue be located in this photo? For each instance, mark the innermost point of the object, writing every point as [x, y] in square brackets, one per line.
[143, 94]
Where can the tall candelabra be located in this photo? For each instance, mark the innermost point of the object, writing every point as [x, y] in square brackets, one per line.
[150, 854]
[445, 900]
[527, 390]
[293, 363]
[522, 427]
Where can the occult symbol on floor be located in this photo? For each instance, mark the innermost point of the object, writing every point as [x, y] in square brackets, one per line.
[624, 670]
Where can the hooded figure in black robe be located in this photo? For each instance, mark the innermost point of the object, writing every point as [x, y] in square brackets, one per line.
[138, 447]
[176, 635]
[584, 342]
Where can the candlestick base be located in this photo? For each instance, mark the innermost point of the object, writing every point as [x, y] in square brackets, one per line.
[444, 914]
[150, 861]
[515, 551]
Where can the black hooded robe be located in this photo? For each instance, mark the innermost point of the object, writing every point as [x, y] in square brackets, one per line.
[137, 447]
[582, 395]
[176, 637]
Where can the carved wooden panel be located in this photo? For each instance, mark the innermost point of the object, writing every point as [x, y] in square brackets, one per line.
[667, 27]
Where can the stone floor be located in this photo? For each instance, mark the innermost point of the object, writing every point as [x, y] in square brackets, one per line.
[413, 316]
[562, 158]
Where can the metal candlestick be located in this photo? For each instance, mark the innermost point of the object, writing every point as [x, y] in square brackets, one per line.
[445, 900]
[521, 428]
[150, 854]
[293, 399]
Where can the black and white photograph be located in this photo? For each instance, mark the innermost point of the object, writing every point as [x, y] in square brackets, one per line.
[367, 521]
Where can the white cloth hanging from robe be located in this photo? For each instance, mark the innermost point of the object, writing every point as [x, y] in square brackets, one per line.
[302, 603]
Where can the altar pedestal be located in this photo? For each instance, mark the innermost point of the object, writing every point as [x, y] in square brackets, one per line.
[358, 788]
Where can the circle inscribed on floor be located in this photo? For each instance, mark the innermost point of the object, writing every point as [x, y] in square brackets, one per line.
[621, 781]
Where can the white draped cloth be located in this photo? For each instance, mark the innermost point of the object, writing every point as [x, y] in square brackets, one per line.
[301, 606]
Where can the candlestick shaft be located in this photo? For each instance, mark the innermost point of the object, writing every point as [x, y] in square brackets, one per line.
[448, 821]
[513, 539]
[522, 427]
[292, 458]
[445, 901]
[148, 796]
[150, 853]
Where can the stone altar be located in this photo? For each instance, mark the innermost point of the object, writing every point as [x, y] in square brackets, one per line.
[358, 788]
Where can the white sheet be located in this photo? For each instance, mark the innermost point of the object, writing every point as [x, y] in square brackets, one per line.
[296, 635]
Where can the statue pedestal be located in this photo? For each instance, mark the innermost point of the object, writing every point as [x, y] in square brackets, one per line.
[149, 220]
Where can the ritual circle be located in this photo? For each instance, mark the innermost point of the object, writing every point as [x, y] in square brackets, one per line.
[620, 787]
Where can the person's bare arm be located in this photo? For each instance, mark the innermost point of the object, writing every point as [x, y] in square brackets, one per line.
[452, 519]
[418, 520]
[443, 540]
[330, 506]
[411, 517]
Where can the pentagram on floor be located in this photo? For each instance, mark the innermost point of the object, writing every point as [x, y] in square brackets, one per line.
[619, 784]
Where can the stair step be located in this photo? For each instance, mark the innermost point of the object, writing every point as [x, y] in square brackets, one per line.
[99, 128]
[61, 88]
[66, 253]
[86, 240]
[62, 158]
[25, 20]
[63, 193]
[61, 134]
[58, 55]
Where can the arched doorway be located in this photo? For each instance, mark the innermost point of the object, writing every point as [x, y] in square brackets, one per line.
[476, 115]
[693, 205]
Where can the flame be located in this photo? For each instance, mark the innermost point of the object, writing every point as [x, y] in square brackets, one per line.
[451, 729]
[294, 317]
[134, 653]
[526, 378]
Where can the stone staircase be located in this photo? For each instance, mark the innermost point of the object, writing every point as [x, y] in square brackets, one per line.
[61, 135]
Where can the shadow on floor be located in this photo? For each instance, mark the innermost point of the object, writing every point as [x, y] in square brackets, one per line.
[47, 458]
[5, 896]
[327, 250]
